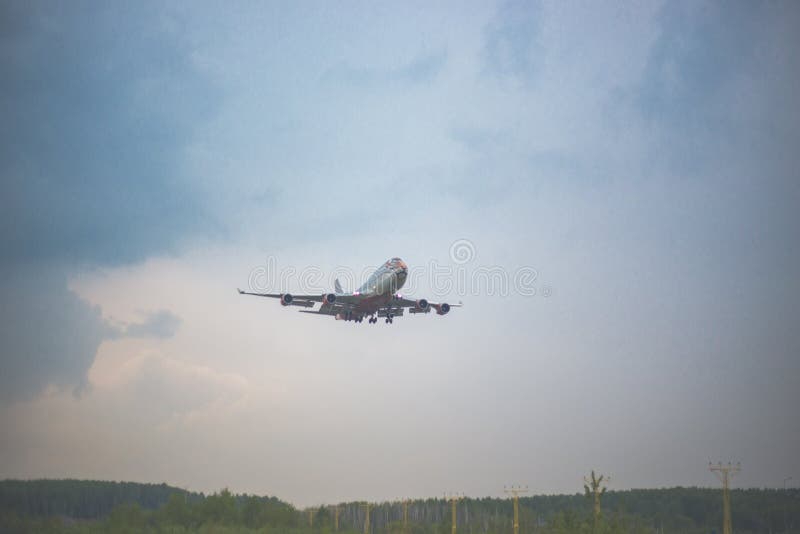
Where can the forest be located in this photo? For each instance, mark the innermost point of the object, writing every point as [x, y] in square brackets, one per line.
[83, 506]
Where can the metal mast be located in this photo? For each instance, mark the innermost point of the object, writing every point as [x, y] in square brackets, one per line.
[724, 474]
[515, 491]
[453, 501]
[366, 520]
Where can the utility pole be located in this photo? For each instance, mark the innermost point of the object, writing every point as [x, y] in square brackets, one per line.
[336, 517]
[366, 520]
[454, 498]
[405, 515]
[785, 523]
[311, 517]
[724, 474]
[515, 491]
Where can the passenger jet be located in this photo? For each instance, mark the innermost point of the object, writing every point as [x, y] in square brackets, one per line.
[377, 298]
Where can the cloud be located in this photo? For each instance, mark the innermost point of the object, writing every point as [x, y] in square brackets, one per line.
[97, 107]
[422, 69]
[513, 47]
[99, 103]
[700, 49]
[161, 324]
[50, 335]
[717, 81]
[170, 386]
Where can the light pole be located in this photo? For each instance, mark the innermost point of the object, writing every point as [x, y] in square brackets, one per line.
[366, 519]
[785, 524]
[515, 491]
[453, 498]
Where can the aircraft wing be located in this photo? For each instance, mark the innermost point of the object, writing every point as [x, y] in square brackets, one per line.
[309, 298]
[325, 310]
[422, 305]
[341, 302]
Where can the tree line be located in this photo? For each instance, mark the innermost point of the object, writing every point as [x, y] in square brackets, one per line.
[98, 506]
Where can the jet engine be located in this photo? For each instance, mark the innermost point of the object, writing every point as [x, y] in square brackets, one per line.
[286, 299]
[330, 298]
[443, 308]
[422, 304]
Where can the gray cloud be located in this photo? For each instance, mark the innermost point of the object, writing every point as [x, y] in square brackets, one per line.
[98, 103]
[50, 335]
[701, 47]
[717, 82]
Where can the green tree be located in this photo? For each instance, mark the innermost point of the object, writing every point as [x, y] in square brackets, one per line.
[127, 518]
[176, 511]
[220, 509]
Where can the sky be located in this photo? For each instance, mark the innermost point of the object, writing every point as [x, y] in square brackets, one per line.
[611, 190]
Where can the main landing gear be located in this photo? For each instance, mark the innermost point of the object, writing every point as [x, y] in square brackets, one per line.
[348, 316]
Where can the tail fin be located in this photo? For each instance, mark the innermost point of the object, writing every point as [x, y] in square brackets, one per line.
[337, 286]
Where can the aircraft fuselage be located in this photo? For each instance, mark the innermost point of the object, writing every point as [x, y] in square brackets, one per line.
[381, 287]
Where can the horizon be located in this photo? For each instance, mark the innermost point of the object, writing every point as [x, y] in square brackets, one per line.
[442, 496]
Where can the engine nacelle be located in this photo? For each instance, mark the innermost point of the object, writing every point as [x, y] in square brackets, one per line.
[443, 308]
[330, 298]
[422, 304]
[286, 299]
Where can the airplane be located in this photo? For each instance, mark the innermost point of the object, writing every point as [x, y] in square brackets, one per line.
[377, 298]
